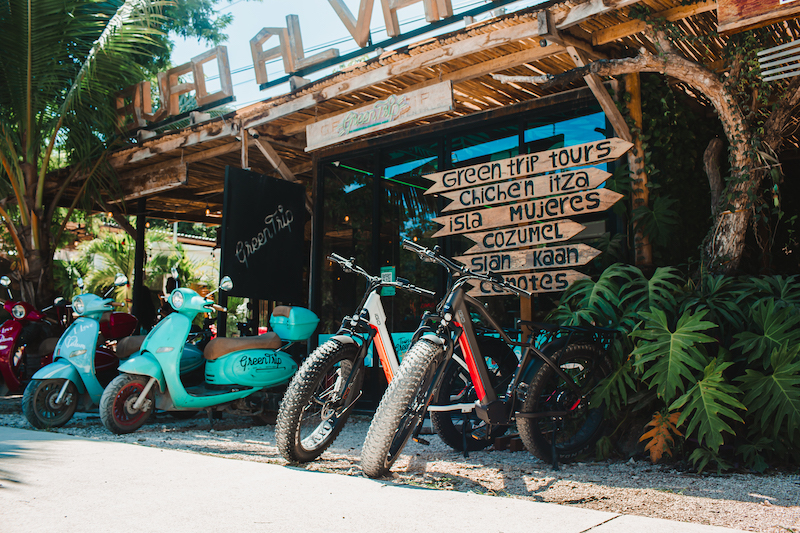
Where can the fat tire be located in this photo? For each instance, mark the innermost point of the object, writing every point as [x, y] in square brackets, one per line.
[113, 404]
[300, 397]
[38, 409]
[457, 381]
[577, 434]
[396, 416]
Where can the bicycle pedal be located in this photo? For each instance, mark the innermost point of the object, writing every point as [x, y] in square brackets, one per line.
[422, 441]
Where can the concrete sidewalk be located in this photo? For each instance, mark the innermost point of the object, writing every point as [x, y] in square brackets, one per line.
[55, 482]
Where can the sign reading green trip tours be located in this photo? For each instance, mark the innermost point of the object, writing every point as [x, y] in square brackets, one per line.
[515, 211]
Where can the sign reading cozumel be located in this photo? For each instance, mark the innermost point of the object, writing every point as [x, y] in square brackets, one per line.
[523, 236]
[554, 281]
[524, 165]
[526, 188]
[566, 255]
[543, 209]
[392, 111]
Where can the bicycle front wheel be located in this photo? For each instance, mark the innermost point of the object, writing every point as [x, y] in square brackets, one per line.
[575, 422]
[317, 403]
[402, 407]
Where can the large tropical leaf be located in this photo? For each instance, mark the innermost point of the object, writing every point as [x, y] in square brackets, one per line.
[641, 294]
[708, 404]
[661, 437]
[658, 223]
[665, 357]
[773, 327]
[719, 295]
[773, 399]
[785, 291]
[614, 388]
[598, 301]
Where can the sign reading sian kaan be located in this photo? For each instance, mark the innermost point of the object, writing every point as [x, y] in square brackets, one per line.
[511, 207]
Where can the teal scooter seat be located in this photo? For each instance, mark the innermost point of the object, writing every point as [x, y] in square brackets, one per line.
[224, 345]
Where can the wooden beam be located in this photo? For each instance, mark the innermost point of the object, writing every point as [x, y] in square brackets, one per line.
[139, 184]
[285, 172]
[626, 29]
[570, 15]
[606, 102]
[481, 69]
[118, 161]
[429, 58]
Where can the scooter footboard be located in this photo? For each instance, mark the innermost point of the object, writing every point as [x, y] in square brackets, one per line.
[144, 364]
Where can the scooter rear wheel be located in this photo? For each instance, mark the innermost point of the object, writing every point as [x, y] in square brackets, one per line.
[39, 403]
[116, 405]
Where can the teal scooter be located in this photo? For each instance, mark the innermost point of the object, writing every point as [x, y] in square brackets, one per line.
[85, 360]
[241, 374]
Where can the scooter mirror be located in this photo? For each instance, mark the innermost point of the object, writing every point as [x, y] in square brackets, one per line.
[5, 281]
[79, 281]
[226, 283]
[120, 280]
[58, 301]
[174, 273]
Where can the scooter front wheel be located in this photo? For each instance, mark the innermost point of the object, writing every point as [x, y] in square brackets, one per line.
[117, 410]
[41, 405]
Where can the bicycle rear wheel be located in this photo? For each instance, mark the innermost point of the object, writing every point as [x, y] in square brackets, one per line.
[457, 387]
[316, 404]
[402, 407]
[579, 423]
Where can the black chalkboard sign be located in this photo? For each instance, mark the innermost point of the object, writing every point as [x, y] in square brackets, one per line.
[262, 236]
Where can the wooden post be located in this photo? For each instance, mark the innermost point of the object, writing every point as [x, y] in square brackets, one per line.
[640, 196]
[138, 260]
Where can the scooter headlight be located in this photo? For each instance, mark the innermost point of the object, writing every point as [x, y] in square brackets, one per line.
[18, 311]
[176, 300]
[77, 306]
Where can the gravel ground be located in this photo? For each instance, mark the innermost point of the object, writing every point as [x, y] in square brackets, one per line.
[766, 503]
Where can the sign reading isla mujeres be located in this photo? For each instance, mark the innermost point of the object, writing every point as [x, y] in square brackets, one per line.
[511, 207]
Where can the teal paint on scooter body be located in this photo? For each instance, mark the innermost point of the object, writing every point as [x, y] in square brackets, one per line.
[231, 376]
[77, 349]
[254, 368]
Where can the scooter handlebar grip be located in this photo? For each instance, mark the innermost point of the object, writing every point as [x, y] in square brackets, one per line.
[217, 307]
[116, 304]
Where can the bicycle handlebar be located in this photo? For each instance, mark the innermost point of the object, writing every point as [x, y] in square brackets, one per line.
[349, 265]
[433, 256]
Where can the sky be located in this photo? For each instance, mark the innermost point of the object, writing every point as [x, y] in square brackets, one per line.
[320, 27]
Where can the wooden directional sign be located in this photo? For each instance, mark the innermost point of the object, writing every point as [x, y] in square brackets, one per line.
[579, 155]
[525, 189]
[542, 209]
[523, 236]
[554, 281]
[565, 255]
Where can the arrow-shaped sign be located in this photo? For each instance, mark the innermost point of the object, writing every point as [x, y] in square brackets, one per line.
[565, 255]
[542, 209]
[551, 281]
[525, 189]
[580, 155]
[523, 236]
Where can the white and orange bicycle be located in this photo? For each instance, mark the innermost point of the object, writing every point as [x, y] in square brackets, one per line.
[325, 389]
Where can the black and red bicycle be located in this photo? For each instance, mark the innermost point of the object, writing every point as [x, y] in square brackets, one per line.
[548, 397]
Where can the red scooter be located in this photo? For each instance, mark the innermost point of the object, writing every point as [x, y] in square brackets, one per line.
[27, 340]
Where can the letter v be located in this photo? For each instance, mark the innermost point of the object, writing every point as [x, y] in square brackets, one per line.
[359, 29]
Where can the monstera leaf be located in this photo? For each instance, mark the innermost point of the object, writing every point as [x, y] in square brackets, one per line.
[662, 435]
[774, 399]
[785, 291]
[707, 404]
[640, 294]
[774, 327]
[613, 390]
[665, 357]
